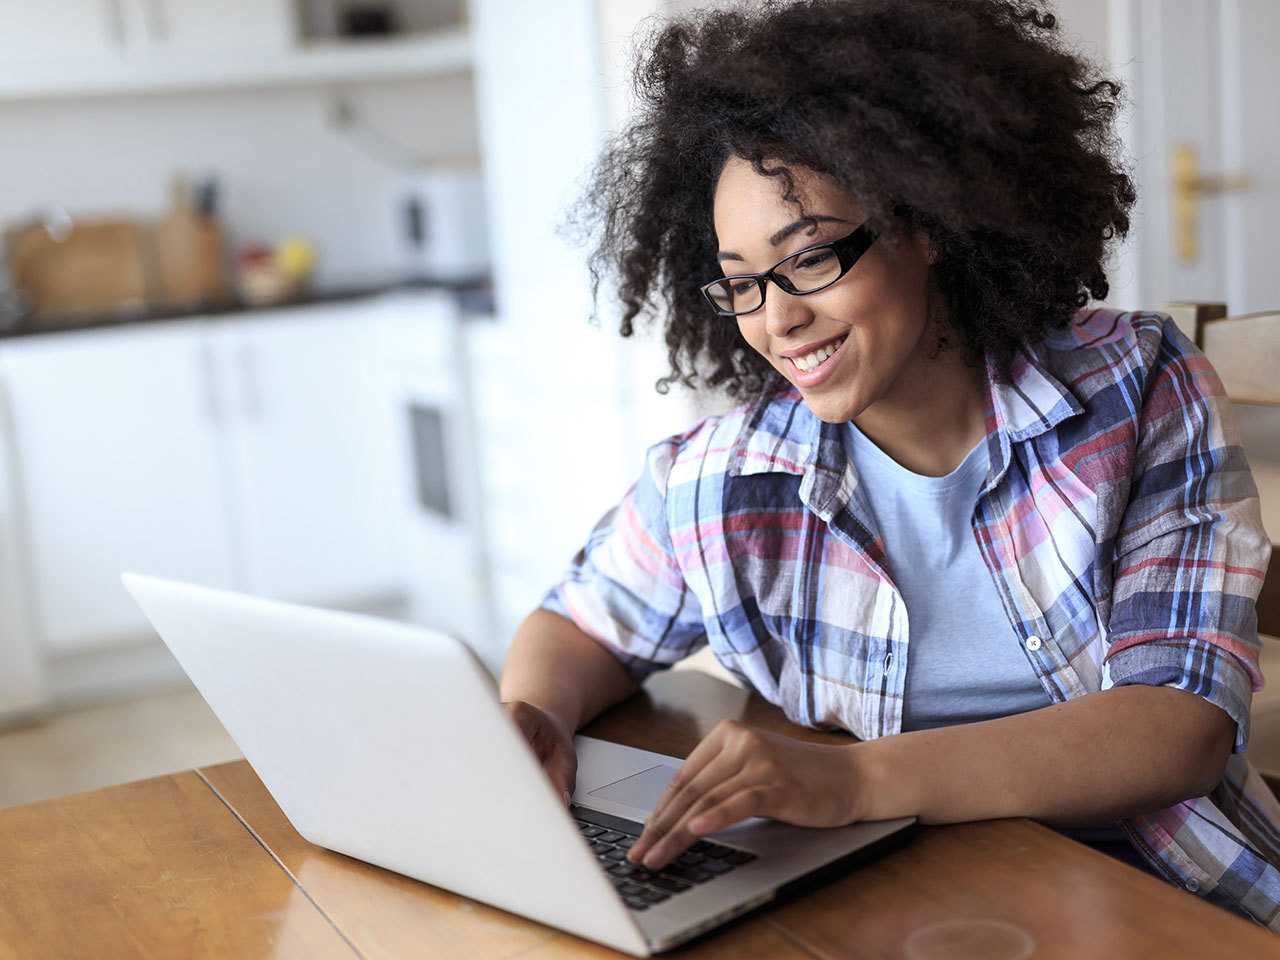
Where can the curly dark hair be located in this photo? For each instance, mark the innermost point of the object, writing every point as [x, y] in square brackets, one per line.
[970, 119]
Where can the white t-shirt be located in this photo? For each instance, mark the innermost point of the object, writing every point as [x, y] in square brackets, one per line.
[964, 661]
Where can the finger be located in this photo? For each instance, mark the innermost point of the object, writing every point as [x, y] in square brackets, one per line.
[711, 746]
[533, 728]
[750, 801]
[566, 766]
[743, 791]
[677, 797]
[724, 767]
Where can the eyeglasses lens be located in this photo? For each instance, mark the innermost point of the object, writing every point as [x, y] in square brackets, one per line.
[807, 271]
[735, 296]
[811, 269]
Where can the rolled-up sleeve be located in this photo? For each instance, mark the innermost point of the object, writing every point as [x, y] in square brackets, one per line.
[1191, 552]
[624, 588]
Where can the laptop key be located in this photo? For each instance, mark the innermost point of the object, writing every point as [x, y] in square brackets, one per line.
[627, 888]
[690, 859]
[589, 830]
[613, 853]
[739, 856]
[635, 903]
[654, 896]
[622, 870]
[611, 837]
[713, 850]
[690, 874]
[716, 867]
[626, 842]
[599, 847]
[670, 883]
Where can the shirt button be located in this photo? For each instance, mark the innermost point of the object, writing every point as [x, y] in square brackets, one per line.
[1193, 884]
[1033, 644]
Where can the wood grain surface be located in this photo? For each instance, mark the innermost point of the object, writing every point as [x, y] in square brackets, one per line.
[159, 868]
[204, 864]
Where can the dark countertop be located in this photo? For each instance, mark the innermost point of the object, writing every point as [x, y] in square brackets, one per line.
[474, 297]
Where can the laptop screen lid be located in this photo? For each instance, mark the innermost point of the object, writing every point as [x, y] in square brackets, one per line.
[386, 742]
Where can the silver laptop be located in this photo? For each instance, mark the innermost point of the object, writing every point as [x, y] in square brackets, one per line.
[386, 742]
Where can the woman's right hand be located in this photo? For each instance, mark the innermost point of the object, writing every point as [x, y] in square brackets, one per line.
[551, 741]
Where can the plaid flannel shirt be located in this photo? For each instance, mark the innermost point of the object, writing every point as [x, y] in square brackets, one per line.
[1119, 521]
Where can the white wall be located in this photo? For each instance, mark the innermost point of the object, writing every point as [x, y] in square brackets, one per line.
[283, 167]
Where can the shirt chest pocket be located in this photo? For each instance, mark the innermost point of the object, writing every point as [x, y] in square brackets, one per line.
[1049, 586]
[840, 635]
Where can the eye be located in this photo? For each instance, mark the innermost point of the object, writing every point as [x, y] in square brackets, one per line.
[816, 258]
[741, 286]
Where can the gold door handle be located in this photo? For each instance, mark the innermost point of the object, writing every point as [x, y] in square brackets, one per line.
[1188, 185]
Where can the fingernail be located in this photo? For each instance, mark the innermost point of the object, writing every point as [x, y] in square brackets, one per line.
[567, 799]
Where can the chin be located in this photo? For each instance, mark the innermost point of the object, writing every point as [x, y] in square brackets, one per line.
[832, 409]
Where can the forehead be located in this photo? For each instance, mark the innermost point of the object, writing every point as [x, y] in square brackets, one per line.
[748, 206]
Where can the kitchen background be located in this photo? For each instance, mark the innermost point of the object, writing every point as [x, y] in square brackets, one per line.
[285, 310]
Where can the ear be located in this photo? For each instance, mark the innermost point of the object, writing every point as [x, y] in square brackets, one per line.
[927, 249]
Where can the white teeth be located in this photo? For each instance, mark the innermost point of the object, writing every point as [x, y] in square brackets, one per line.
[811, 360]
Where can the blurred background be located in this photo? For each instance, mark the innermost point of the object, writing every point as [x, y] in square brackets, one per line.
[284, 309]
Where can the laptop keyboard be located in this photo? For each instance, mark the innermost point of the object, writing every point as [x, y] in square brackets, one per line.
[610, 839]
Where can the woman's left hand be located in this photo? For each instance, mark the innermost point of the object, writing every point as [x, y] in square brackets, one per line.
[738, 772]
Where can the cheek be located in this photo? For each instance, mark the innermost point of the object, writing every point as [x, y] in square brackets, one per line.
[899, 319]
[755, 337]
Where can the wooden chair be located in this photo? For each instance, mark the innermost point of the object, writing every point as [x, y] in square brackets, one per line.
[1245, 350]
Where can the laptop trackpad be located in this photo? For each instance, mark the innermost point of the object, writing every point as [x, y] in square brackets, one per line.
[641, 790]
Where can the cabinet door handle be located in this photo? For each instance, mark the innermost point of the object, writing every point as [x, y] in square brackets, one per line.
[209, 374]
[115, 22]
[251, 396]
[157, 21]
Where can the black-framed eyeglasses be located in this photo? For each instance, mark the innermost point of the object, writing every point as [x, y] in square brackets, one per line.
[807, 271]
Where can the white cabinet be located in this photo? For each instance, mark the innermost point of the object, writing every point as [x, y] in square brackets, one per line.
[93, 48]
[196, 26]
[71, 30]
[118, 466]
[23, 685]
[316, 454]
[63, 30]
[263, 452]
[445, 507]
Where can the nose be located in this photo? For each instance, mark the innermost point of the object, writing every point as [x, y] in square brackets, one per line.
[784, 312]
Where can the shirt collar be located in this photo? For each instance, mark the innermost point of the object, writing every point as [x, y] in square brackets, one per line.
[1031, 401]
[781, 435]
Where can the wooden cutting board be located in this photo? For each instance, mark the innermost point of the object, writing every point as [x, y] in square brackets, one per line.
[96, 267]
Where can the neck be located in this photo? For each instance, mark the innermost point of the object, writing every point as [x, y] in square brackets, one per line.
[934, 415]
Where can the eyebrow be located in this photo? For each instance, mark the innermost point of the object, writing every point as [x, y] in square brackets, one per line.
[785, 232]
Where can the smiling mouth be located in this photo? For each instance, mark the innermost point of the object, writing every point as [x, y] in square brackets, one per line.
[812, 361]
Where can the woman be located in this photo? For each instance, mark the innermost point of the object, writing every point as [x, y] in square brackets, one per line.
[1009, 542]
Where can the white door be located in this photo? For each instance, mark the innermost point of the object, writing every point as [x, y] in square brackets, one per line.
[1203, 76]
[116, 463]
[314, 440]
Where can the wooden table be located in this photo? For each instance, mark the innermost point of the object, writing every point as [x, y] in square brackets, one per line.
[203, 864]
